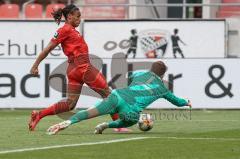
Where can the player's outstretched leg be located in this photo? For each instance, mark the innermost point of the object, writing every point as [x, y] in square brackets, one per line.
[60, 107]
[105, 107]
[78, 117]
[57, 108]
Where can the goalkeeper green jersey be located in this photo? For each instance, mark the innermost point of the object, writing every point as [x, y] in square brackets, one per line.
[145, 88]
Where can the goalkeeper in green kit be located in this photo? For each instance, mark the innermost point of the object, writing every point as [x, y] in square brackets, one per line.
[145, 88]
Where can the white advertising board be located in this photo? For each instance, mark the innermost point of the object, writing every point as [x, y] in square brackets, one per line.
[156, 39]
[208, 83]
[21, 41]
[26, 39]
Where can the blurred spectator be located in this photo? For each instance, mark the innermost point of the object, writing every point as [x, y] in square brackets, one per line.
[56, 1]
[5, 1]
[44, 2]
[61, 1]
[194, 12]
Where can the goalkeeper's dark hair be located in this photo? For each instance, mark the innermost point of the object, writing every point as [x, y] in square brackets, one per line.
[159, 68]
[57, 14]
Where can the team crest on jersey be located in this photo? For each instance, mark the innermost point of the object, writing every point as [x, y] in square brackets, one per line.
[56, 35]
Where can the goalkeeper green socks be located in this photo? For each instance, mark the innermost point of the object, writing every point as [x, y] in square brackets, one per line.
[120, 124]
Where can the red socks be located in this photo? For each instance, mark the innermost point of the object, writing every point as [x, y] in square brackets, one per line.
[56, 108]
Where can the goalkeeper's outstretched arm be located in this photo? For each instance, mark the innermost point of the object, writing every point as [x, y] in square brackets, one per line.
[180, 102]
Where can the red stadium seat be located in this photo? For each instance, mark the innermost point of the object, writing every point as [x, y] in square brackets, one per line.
[106, 12]
[231, 1]
[9, 11]
[33, 11]
[229, 11]
[230, 8]
[52, 7]
[228, 14]
[105, 1]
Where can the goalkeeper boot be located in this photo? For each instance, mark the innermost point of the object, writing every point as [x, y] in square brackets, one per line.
[100, 128]
[52, 130]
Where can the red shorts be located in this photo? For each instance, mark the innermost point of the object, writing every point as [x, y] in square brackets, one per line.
[81, 71]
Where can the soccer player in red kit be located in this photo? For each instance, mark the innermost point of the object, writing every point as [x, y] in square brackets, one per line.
[79, 69]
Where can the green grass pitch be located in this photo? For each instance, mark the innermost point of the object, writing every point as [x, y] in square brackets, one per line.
[176, 134]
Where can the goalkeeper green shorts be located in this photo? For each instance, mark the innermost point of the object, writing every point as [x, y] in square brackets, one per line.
[115, 104]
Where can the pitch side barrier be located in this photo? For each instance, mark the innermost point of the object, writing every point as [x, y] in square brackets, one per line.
[210, 82]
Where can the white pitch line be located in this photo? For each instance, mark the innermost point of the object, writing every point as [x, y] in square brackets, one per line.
[115, 141]
[202, 120]
[72, 145]
[196, 138]
[217, 120]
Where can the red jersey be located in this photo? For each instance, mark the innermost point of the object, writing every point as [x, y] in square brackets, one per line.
[71, 41]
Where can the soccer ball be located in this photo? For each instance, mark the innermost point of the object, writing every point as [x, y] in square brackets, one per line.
[145, 122]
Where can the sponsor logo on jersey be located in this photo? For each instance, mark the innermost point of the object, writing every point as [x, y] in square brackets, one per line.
[56, 35]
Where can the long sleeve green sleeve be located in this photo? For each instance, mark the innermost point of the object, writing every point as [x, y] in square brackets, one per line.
[180, 102]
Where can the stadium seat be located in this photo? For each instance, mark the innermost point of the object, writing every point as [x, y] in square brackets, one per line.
[227, 14]
[105, 1]
[229, 11]
[230, 8]
[9, 11]
[33, 11]
[231, 1]
[52, 7]
[106, 12]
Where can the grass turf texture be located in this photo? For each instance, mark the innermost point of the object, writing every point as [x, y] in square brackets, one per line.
[204, 134]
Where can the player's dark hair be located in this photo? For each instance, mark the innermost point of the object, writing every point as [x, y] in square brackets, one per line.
[57, 14]
[133, 31]
[175, 31]
[159, 68]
